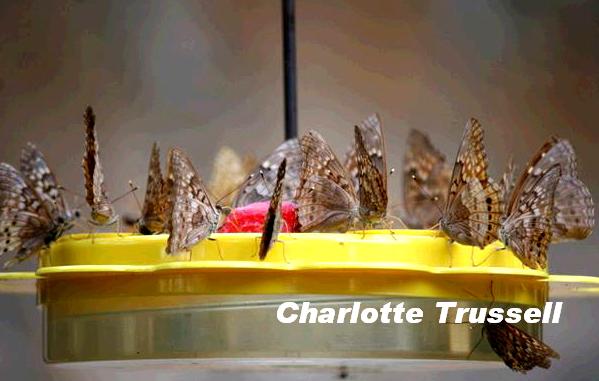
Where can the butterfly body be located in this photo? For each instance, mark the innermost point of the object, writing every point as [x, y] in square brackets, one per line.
[33, 211]
[102, 211]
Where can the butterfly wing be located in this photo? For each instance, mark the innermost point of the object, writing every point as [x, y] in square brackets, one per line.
[425, 181]
[326, 197]
[574, 211]
[506, 184]
[473, 199]
[574, 208]
[520, 351]
[193, 217]
[41, 180]
[272, 222]
[527, 228]
[263, 178]
[154, 211]
[374, 144]
[95, 193]
[25, 223]
[373, 182]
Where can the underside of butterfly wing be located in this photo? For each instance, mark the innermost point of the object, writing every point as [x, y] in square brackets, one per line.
[426, 178]
[574, 210]
[272, 222]
[154, 213]
[374, 146]
[373, 184]
[520, 351]
[193, 217]
[263, 178]
[527, 228]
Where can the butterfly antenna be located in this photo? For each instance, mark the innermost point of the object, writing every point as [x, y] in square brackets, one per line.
[434, 199]
[134, 188]
[236, 189]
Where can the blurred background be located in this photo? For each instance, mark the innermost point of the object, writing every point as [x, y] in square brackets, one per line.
[203, 74]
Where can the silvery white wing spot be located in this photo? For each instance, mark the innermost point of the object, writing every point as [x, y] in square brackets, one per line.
[272, 222]
[156, 201]
[574, 210]
[193, 217]
[527, 226]
[506, 184]
[33, 211]
[374, 145]
[473, 208]
[425, 182]
[102, 211]
[520, 351]
[262, 179]
[326, 199]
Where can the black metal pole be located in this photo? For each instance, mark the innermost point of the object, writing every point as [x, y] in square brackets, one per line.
[289, 68]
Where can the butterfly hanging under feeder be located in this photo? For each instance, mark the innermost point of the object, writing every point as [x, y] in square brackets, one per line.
[336, 238]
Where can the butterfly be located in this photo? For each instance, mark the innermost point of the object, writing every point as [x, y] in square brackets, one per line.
[102, 211]
[574, 210]
[520, 351]
[262, 179]
[473, 205]
[156, 201]
[326, 198]
[193, 216]
[33, 211]
[425, 182]
[272, 222]
[373, 143]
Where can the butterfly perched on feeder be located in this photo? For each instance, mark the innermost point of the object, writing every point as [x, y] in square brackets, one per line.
[519, 350]
[373, 143]
[193, 216]
[574, 210]
[473, 206]
[102, 211]
[272, 222]
[263, 178]
[156, 201]
[326, 199]
[33, 211]
[425, 182]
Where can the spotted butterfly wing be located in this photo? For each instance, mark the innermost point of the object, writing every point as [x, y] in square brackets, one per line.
[33, 213]
[193, 216]
[574, 210]
[527, 226]
[262, 179]
[473, 208]
[154, 211]
[520, 351]
[102, 211]
[373, 142]
[506, 184]
[425, 182]
[272, 222]
[326, 199]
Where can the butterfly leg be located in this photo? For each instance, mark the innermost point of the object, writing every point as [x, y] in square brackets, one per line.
[283, 244]
[217, 247]
[480, 339]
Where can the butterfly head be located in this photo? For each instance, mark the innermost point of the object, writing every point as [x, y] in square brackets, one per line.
[103, 214]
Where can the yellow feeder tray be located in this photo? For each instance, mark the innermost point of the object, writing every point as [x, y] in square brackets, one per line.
[219, 300]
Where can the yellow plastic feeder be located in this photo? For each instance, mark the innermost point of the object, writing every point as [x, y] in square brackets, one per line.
[120, 297]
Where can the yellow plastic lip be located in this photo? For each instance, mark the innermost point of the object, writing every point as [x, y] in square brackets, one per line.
[378, 250]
